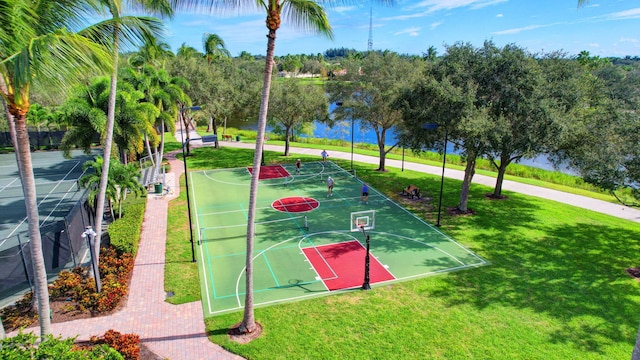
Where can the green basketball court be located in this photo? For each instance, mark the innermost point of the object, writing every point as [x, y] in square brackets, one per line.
[308, 243]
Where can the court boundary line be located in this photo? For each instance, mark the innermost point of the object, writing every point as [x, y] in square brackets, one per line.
[383, 197]
[43, 222]
[211, 312]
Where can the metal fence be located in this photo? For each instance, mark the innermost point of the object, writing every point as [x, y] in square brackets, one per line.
[62, 245]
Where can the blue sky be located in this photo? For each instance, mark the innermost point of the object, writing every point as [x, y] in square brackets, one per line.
[602, 27]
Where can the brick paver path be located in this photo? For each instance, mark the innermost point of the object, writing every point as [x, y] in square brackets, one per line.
[174, 332]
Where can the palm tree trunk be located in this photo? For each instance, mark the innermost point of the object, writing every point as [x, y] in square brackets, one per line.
[160, 153]
[108, 143]
[27, 178]
[148, 146]
[249, 322]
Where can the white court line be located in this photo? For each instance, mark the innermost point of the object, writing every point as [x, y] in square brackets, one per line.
[45, 198]
[200, 242]
[9, 184]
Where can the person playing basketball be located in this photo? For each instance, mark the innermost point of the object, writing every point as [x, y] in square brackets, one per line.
[330, 184]
[325, 155]
[365, 193]
[298, 164]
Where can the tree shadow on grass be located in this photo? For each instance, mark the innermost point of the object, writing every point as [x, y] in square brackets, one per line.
[575, 273]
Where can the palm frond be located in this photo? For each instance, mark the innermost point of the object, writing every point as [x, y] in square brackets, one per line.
[307, 15]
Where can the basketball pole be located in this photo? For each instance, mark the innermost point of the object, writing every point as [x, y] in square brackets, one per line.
[366, 285]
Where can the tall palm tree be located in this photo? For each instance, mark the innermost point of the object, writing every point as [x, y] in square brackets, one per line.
[307, 15]
[124, 30]
[186, 51]
[36, 47]
[164, 92]
[152, 52]
[86, 112]
[214, 47]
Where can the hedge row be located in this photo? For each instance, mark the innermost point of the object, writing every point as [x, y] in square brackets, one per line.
[124, 233]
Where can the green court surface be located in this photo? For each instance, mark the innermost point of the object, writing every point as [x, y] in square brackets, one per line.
[56, 190]
[307, 243]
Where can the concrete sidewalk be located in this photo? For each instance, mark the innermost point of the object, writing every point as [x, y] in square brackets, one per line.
[617, 210]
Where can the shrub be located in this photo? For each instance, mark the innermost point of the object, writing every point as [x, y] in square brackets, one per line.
[125, 232]
[126, 344]
[19, 315]
[23, 346]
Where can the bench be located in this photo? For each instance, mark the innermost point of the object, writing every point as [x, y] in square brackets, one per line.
[412, 191]
[227, 137]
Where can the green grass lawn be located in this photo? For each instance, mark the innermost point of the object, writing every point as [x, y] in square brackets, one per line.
[556, 287]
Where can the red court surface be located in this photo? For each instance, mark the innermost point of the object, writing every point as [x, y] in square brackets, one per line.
[341, 266]
[271, 172]
[295, 204]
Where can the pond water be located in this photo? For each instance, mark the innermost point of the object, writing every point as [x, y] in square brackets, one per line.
[342, 131]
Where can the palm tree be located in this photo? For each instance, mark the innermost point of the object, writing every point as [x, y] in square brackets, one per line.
[125, 180]
[36, 47]
[123, 30]
[91, 180]
[152, 52]
[305, 14]
[86, 112]
[187, 51]
[164, 92]
[214, 47]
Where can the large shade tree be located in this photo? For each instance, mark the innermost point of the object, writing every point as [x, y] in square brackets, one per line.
[36, 45]
[368, 90]
[295, 104]
[449, 98]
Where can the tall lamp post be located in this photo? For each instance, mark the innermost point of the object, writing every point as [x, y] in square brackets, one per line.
[90, 235]
[434, 126]
[186, 181]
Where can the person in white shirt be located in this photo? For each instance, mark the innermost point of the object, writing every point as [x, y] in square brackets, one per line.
[330, 184]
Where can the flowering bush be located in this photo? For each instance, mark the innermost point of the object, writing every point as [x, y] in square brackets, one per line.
[128, 345]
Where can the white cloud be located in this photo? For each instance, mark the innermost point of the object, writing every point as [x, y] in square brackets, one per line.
[437, 5]
[414, 31]
[518, 30]
[435, 24]
[499, 15]
[594, 45]
[406, 17]
[627, 14]
[342, 9]
[630, 40]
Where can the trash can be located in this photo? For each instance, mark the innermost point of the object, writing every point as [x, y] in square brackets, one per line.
[238, 138]
[158, 188]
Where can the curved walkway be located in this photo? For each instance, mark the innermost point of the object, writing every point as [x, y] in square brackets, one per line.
[617, 210]
[174, 332]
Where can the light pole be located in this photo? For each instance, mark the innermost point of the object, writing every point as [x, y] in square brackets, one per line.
[433, 126]
[351, 143]
[186, 182]
[90, 235]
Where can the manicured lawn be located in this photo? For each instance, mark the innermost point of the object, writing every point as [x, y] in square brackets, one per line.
[556, 287]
